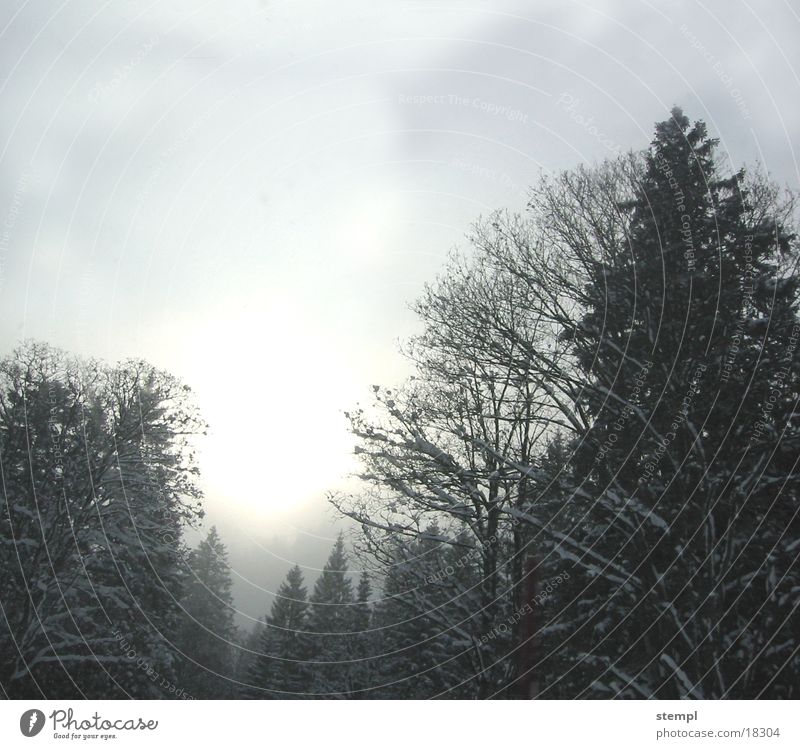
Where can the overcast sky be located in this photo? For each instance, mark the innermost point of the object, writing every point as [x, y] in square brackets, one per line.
[249, 194]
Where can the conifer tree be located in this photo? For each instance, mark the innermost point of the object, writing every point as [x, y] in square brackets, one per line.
[281, 670]
[684, 341]
[333, 593]
[364, 643]
[425, 619]
[331, 625]
[207, 631]
[362, 612]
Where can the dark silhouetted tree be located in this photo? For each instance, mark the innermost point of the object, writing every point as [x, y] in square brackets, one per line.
[281, 669]
[207, 633]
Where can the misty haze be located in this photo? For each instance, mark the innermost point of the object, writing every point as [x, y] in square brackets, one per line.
[389, 350]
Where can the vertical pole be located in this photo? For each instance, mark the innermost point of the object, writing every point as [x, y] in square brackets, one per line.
[527, 683]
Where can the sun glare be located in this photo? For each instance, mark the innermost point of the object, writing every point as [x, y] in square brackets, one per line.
[277, 434]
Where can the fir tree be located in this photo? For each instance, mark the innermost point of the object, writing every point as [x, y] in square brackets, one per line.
[428, 622]
[364, 643]
[331, 625]
[362, 612]
[281, 669]
[207, 631]
[684, 340]
[333, 593]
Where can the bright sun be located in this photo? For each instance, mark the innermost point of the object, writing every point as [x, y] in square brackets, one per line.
[277, 434]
